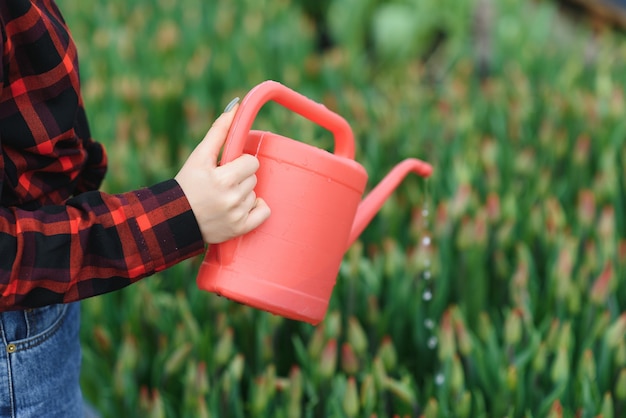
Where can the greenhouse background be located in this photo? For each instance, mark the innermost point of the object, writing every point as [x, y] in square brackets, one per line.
[495, 288]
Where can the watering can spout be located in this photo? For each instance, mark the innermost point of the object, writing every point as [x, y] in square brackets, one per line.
[376, 198]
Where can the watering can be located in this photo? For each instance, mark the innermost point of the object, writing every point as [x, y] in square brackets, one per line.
[289, 264]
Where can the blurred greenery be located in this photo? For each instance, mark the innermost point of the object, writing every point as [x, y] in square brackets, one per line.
[494, 288]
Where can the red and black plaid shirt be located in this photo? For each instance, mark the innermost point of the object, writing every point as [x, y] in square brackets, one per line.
[61, 240]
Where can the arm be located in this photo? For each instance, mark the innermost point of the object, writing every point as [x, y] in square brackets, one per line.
[94, 244]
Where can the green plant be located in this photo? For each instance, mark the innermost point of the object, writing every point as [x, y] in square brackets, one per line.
[494, 288]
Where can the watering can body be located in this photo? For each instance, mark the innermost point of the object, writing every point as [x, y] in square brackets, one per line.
[289, 264]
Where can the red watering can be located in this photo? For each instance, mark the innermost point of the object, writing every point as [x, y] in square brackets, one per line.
[289, 264]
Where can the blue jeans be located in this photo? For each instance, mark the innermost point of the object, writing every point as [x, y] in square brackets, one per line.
[40, 363]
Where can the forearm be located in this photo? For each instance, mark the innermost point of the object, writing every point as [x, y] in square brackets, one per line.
[95, 243]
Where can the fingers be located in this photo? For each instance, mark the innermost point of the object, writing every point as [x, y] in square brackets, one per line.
[240, 168]
[257, 215]
[250, 214]
[209, 148]
[222, 197]
[249, 202]
[247, 185]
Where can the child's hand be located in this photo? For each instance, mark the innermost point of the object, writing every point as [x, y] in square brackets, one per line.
[222, 197]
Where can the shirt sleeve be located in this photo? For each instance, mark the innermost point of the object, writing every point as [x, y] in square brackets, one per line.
[95, 167]
[94, 244]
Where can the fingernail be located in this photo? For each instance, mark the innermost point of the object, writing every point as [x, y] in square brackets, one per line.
[230, 105]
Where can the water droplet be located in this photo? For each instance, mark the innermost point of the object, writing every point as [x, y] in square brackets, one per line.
[427, 275]
[432, 342]
[439, 379]
[425, 212]
[429, 323]
[428, 295]
[426, 241]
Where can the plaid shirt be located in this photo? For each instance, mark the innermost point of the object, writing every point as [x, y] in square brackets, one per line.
[61, 240]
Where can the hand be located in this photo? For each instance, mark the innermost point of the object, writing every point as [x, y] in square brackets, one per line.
[222, 198]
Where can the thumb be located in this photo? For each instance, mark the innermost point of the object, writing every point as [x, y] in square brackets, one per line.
[209, 148]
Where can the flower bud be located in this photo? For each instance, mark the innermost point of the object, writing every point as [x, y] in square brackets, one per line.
[505, 234]
[560, 367]
[466, 234]
[295, 393]
[601, 287]
[202, 410]
[493, 208]
[316, 343]
[387, 353]
[333, 325]
[518, 286]
[356, 336]
[349, 360]
[607, 406]
[368, 393]
[463, 337]
[380, 374]
[447, 346]
[563, 272]
[176, 360]
[588, 366]
[616, 331]
[555, 216]
[620, 386]
[620, 354]
[355, 253]
[432, 409]
[513, 328]
[443, 220]
[201, 379]
[236, 367]
[511, 378]
[328, 360]
[621, 253]
[606, 224]
[556, 411]
[224, 347]
[565, 336]
[126, 363]
[457, 376]
[102, 338]
[581, 152]
[586, 207]
[600, 325]
[144, 399]
[158, 408]
[373, 310]
[461, 200]
[541, 358]
[401, 389]
[351, 399]
[463, 408]
[485, 327]
[260, 396]
[553, 333]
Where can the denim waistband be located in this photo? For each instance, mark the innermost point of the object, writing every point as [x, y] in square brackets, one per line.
[23, 328]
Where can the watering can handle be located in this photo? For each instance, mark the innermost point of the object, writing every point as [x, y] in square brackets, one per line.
[315, 112]
[242, 123]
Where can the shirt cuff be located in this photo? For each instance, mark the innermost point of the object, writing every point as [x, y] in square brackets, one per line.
[167, 226]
